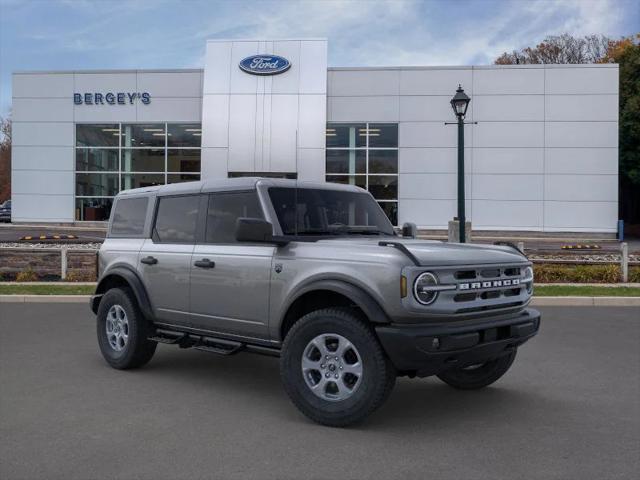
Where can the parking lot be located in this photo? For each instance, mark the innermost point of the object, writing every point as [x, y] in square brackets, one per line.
[569, 408]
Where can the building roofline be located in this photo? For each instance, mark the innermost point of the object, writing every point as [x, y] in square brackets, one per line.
[479, 67]
[103, 71]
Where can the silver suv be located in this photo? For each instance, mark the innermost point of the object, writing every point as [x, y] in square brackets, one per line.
[312, 273]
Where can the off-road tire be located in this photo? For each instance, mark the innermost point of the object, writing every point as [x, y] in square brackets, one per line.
[480, 377]
[138, 350]
[378, 376]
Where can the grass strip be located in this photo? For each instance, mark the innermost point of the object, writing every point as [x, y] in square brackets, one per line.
[52, 289]
[541, 290]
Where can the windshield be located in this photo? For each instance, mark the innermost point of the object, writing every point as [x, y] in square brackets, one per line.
[308, 211]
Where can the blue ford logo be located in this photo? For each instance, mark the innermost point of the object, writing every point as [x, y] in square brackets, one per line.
[265, 64]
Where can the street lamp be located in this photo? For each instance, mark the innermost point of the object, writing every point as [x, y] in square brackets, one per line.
[460, 103]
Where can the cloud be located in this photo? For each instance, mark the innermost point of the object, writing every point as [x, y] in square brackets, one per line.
[85, 34]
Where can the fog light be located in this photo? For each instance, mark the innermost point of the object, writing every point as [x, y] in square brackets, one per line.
[435, 343]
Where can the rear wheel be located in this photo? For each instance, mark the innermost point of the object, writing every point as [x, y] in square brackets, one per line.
[122, 330]
[478, 376]
[333, 368]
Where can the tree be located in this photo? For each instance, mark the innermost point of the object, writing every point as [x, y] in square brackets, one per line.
[5, 159]
[563, 48]
[626, 53]
[600, 49]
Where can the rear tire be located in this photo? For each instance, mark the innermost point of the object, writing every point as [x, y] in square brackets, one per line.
[122, 331]
[478, 376]
[334, 369]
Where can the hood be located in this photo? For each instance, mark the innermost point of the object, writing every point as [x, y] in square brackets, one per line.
[433, 252]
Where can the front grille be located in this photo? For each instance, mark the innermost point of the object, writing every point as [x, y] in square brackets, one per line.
[485, 288]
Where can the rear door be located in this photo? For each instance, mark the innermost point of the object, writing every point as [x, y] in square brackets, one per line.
[230, 280]
[165, 258]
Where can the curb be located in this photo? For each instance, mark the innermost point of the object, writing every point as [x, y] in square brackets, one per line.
[536, 301]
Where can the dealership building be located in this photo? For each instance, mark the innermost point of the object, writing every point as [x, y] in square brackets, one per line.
[541, 143]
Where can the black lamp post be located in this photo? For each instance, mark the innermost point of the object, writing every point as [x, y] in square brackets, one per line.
[460, 103]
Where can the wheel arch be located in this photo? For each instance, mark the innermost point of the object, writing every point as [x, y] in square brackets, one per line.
[330, 293]
[123, 276]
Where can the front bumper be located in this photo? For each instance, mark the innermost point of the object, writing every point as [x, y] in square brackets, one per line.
[426, 350]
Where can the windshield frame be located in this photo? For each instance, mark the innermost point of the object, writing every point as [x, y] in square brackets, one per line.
[383, 226]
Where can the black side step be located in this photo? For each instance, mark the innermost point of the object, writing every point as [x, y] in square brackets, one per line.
[169, 337]
[220, 346]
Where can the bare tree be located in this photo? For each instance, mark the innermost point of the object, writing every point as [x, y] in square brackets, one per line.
[563, 48]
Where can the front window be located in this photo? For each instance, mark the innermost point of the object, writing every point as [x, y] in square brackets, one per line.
[365, 155]
[308, 211]
[111, 157]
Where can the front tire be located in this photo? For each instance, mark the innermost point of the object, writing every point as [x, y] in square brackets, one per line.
[478, 376]
[334, 369]
[122, 331]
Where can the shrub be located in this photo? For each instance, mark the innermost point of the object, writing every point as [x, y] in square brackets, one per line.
[80, 276]
[554, 273]
[27, 275]
[634, 274]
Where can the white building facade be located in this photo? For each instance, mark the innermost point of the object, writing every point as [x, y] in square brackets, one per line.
[543, 155]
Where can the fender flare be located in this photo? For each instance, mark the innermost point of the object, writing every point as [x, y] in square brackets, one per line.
[135, 283]
[370, 307]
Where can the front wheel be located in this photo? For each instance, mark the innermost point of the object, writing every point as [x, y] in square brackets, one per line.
[478, 376]
[334, 369]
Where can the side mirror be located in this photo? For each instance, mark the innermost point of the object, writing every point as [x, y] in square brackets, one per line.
[256, 230]
[409, 230]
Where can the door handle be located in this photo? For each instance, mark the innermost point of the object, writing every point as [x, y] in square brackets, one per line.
[149, 260]
[204, 263]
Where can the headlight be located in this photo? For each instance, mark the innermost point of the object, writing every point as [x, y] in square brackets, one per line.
[422, 288]
[528, 279]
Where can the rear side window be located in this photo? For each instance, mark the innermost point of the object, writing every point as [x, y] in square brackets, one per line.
[223, 211]
[176, 219]
[128, 216]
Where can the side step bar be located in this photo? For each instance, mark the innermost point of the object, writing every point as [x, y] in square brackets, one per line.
[220, 346]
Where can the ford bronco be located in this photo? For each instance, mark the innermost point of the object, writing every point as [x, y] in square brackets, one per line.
[314, 274]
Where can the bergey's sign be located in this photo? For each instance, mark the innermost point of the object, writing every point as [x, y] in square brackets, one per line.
[265, 64]
[110, 98]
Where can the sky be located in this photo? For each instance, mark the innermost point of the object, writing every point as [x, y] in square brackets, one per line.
[110, 34]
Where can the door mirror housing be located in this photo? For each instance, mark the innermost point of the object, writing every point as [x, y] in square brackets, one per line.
[256, 230]
[409, 230]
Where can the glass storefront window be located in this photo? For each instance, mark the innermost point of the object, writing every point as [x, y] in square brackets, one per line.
[93, 209]
[383, 135]
[103, 135]
[366, 155]
[383, 161]
[137, 180]
[181, 177]
[183, 160]
[340, 135]
[383, 187]
[391, 209]
[346, 161]
[143, 159]
[184, 135]
[357, 180]
[115, 157]
[144, 135]
[97, 160]
[96, 184]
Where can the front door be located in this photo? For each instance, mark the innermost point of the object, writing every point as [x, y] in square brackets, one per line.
[230, 280]
[165, 259]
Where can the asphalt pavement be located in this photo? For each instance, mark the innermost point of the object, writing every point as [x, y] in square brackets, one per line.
[568, 409]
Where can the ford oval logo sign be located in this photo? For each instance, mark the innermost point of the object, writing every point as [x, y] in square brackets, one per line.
[265, 64]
